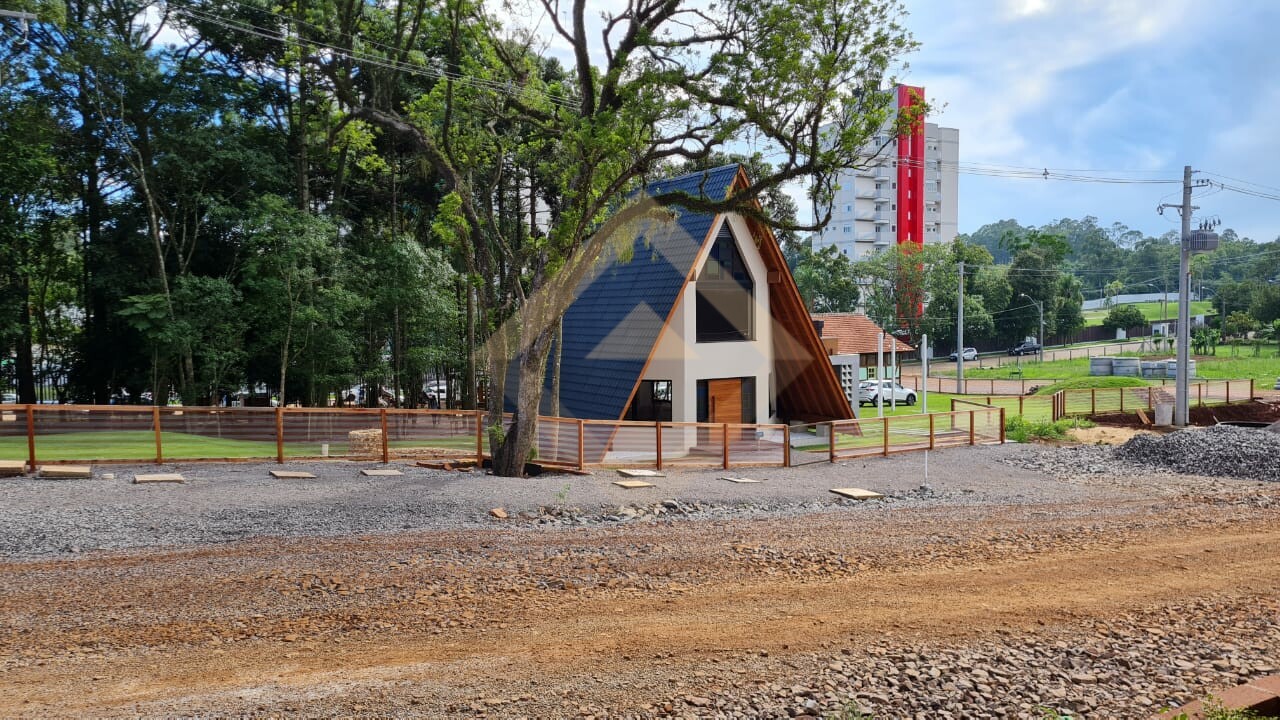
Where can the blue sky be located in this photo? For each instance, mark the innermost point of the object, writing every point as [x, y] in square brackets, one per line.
[1138, 89]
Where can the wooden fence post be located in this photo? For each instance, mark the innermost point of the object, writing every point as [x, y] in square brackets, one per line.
[658, 443]
[386, 442]
[1200, 394]
[831, 442]
[480, 439]
[1093, 401]
[885, 439]
[1251, 388]
[971, 413]
[31, 437]
[1228, 392]
[931, 436]
[279, 434]
[155, 421]
[582, 450]
[1020, 399]
[725, 431]
[1001, 426]
[1121, 390]
[1151, 402]
[786, 445]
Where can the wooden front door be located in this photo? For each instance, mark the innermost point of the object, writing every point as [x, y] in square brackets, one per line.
[724, 400]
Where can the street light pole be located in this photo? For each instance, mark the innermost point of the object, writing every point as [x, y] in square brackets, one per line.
[1040, 307]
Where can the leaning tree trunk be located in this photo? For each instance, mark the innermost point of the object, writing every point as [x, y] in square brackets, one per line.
[518, 443]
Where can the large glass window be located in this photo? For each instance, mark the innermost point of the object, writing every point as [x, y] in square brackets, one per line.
[652, 402]
[725, 305]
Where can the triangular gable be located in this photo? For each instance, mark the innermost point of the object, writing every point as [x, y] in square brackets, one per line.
[612, 327]
[611, 331]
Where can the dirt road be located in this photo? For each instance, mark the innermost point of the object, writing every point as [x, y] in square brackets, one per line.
[722, 617]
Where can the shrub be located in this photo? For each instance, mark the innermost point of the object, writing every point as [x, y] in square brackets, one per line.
[1123, 317]
[1019, 429]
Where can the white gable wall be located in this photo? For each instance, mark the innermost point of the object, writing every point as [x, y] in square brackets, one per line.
[684, 361]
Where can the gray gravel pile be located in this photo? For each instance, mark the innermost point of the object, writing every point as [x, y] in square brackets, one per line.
[1128, 668]
[1221, 451]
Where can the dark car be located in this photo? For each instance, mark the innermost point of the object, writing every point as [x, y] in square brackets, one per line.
[1029, 347]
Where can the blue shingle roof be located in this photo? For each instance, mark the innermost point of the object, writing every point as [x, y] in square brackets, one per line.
[620, 310]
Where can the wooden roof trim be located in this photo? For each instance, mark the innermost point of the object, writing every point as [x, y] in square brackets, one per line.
[802, 329]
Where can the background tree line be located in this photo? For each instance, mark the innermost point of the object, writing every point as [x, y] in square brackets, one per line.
[309, 194]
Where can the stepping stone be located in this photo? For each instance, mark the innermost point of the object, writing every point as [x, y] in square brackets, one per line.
[158, 478]
[66, 471]
[633, 484]
[380, 473]
[12, 468]
[291, 475]
[857, 493]
[639, 473]
[741, 480]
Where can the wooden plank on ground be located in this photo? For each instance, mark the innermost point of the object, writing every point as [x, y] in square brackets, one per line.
[380, 473]
[857, 493]
[66, 471]
[12, 468]
[1143, 417]
[291, 475]
[638, 473]
[741, 480]
[633, 484]
[158, 478]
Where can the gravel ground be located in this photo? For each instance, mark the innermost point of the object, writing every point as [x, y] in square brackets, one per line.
[227, 502]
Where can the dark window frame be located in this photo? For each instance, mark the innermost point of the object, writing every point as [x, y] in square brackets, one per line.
[725, 285]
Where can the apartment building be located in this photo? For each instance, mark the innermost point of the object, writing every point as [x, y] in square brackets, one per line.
[906, 192]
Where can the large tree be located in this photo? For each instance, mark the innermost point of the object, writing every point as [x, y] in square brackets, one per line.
[801, 79]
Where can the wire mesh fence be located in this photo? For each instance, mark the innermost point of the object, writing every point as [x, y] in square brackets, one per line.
[71, 433]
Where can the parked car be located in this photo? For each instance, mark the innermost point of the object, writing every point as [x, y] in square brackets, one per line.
[1027, 347]
[969, 354]
[9, 398]
[870, 390]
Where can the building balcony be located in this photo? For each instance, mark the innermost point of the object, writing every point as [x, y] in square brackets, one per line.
[865, 215]
[866, 236]
[882, 172]
[933, 196]
[883, 217]
[865, 194]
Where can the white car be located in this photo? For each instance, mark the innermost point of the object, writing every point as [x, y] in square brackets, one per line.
[969, 354]
[869, 391]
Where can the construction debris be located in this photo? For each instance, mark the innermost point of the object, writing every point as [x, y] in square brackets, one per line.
[291, 475]
[857, 493]
[741, 480]
[65, 472]
[499, 513]
[158, 478]
[633, 484]
[12, 468]
[380, 473]
[638, 473]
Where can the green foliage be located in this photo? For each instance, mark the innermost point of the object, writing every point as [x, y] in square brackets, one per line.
[826, 281]
[1239, 324]
[1124, 317]
[1078, 383]
[1019, 429]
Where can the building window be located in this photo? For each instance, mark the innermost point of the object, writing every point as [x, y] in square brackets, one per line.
[848, 208]
[725, 294]
[652, 402]
[847, 228]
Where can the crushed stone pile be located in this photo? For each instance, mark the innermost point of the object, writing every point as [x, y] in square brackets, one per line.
[1221, 451]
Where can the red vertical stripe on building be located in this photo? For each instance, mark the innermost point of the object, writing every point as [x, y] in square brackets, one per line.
[911, 171]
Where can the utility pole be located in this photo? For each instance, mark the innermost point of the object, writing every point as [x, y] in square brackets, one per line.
[1202, 241]
[1180, 408]
[960, 334]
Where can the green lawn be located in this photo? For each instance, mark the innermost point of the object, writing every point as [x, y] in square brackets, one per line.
[1152, 311]
[141, 445]
[1263, 369]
